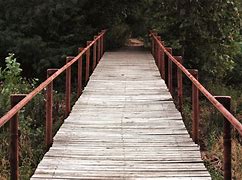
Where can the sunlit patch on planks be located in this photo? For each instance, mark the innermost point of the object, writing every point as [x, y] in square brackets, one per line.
[124, 126]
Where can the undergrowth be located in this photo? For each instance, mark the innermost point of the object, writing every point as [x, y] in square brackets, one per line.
[31, 120]
[211, 130]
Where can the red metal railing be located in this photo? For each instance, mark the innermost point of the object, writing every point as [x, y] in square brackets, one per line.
[222, 103]
[18, 101]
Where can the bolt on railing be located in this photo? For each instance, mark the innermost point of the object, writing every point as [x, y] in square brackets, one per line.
[221, 103]
[18, 101]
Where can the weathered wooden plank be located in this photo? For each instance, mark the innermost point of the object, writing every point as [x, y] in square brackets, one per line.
[121, 174]
[146, 178]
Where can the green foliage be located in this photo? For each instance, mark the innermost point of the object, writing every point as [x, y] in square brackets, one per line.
[213, 172]
[10, 75]
[235, 76]
[12, 70]
[118, 35]
[12, 82]
[211, 128]
[31, 120]
[42, 33]
[204, 32]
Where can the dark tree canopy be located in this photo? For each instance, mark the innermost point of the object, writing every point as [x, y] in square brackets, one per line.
[41, 33]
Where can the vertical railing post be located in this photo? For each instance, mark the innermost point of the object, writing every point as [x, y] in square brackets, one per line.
[226, 102]
[158, 52]
[179, 84]
[155, 47]
[102, 44]
[100, 47]
[195, 107]
[94, 54]
[49, 110]
[98, 50]
[79, 74]
[161, 53]
[14, 141]
[170, 78]
[87, 74]
[68, 88]
[155, 50]
[104, 40]
[162, 62]
[152, 45]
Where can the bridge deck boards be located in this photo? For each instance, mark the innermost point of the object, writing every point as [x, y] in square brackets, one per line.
[124, 126]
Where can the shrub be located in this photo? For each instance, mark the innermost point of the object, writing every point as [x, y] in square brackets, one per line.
[118, 35]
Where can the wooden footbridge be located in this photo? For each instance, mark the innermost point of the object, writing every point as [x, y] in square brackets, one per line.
[124, 124]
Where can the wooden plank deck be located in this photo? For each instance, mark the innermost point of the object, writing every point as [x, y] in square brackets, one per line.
[124, 126]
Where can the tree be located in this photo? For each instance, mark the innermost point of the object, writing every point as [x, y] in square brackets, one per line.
[204, 32]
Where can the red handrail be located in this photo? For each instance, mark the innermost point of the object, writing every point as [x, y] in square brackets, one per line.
[159, 52]
[44, 84]
[235, 122]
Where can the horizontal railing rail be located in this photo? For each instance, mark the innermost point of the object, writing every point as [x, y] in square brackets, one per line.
[221, 103]
[44, 84]
[18, 101]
